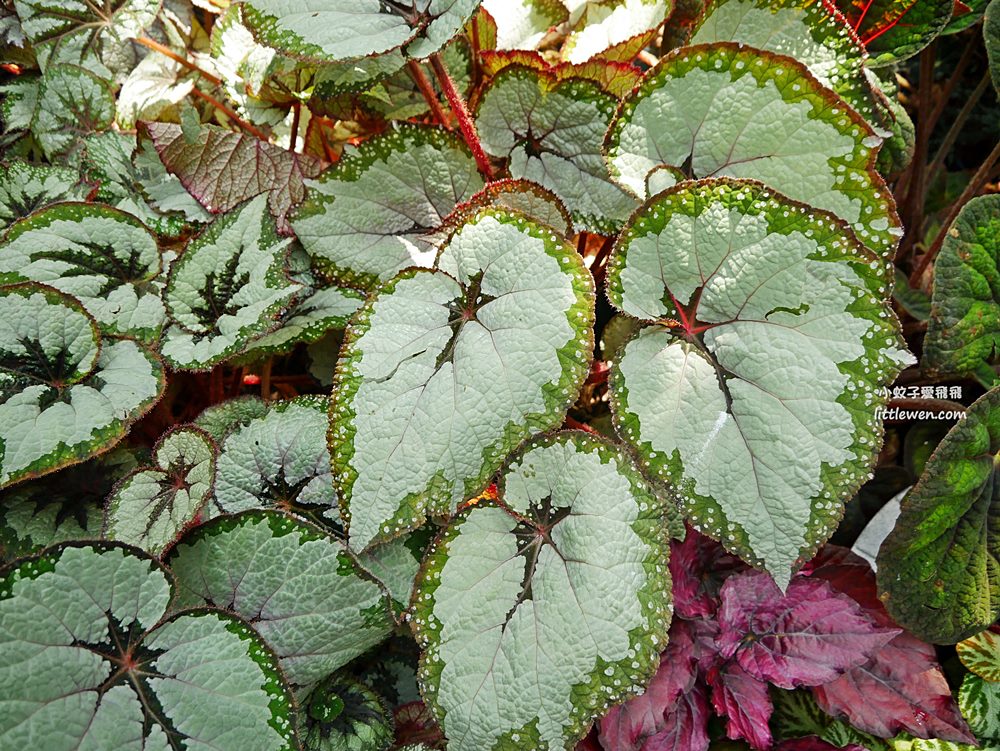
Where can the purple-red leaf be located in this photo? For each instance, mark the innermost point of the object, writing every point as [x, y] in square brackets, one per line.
[222, 169]
[673, 713]
[808, 636]
[902, 687]
[745, 702]
[698, 567]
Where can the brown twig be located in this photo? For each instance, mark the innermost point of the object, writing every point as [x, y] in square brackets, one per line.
[228, 112]
[167, 52]
[956, 128]
[296, 117]
[913, 204]
[430, 96]
[461, 112]
[974, 186]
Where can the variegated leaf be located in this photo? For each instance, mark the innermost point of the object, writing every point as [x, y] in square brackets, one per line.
[95, 36]
[522, 24]
[65, 505]
[25, 188]
[615, 29]
[981, 655]
[980, 703]
[154, 86]
[552, 132]
[63, 396]
[222, 418]
[228, 288]
[529, 198]
[893, 30]
[342, 714]
[295, 584]
[366, 218]
[89, 664]
[537, 612]
[720, 110]
[329, 31]
[434, 386]
[279, 460]
[814, 33]
[72, 103]
[755, 394]
[396, 564]
[103, 257]
[152, 506]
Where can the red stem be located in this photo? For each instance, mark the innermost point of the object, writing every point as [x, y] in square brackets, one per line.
[461, 112]
[295, 126]
[424, 84]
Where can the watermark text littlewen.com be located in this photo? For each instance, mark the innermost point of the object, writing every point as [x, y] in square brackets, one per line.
[902, 414]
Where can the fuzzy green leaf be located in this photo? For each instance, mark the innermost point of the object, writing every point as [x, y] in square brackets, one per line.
[937, 569]
[103, 257]
[723, 111]
[87, 667]
[330, 31]
[295, 584]
[444, 372]
[366, 218]
[552, 133]
[759, 404]
[537, 612]
[893, 30]
[228, 288]
[25, 188]
[962, 334]
[153, 505]
[63, 396]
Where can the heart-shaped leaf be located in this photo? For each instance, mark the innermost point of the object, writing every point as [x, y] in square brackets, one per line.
[25, 188]
[806, 636]
[153, 505]
[965, 309]
[64, 397]
[937, 569]
[222, 169]
[72, 102]
[297, 585]
[88, 662]
[552, 132]
[365, 218]
[522, 24]
[279, 460]
[893, 30]
[980, 703]
[329, 31]
[342, 714]
[813, 33]
[615, 30]
[103, 257]
[770, 120]
[537, 612]
[63, 506]
[758, 405]
[981, 655]
[228, 288]
[95, 36]
[429, 397]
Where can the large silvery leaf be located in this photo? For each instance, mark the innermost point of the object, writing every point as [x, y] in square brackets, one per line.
[814, 33]
[433, 388]
[615, 29]
[297, 586]
[63, 396]
[152, 506]
[341, 30]
[280, 460]
[105, 258]
[938, 568]
[754, 393]
[87, 667]
[522, 24]
[962, 334]
[219, 419]
[342, 714]
[228, 288]
[721, 111]
[62, 506]
[893, 30]
[93, 35]
[552, 132]
[72, 103]
[25, 188]
[537, 612]
[222, 169]
[364, 219]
